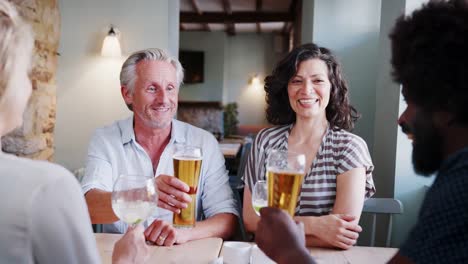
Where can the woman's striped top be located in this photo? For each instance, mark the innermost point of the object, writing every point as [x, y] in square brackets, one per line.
[340, 151]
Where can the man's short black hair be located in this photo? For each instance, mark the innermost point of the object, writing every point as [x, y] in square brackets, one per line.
[430, 57]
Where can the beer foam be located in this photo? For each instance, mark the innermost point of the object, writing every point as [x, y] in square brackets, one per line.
[272, 170]
[186, 158]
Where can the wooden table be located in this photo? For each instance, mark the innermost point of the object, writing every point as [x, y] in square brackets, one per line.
[208, 249]
[358, 255]
[230, 150]
[371, 255]
[198, 251]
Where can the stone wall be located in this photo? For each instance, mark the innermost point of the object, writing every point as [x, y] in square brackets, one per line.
[206, 115]
[35, 138]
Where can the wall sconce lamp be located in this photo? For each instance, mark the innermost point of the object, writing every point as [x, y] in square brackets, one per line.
[111, 44]
[255, 80]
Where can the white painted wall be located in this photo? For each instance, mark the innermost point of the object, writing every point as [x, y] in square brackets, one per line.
[247, 55]
[351, 30]
[173, 25]
[88, 93]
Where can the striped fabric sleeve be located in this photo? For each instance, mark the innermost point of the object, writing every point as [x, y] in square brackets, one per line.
[355, 154]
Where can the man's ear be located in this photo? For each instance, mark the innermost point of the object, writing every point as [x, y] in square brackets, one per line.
[127, 95]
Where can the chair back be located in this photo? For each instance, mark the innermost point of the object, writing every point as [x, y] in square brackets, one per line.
[388, 206]
[237, 185]
[244, 157]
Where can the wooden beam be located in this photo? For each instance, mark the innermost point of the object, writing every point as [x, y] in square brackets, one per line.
[230, 28]
[197, 9]
[296, 28]
[258, 8]
[294, 12]
[293, 7]
[258, 5]
[235, 17]
[182, 28]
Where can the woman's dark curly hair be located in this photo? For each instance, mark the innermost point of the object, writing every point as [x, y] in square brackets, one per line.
[430, 57]
[340, 114]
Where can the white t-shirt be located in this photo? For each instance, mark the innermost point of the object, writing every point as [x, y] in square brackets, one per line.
[44, 218]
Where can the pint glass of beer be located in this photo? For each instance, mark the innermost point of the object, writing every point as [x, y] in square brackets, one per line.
[187, 164]
[285, 172]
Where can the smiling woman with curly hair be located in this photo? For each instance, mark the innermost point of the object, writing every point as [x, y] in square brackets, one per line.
[340, 114]
[307, 100]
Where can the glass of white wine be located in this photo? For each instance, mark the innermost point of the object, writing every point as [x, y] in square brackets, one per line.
[134, 198]
[260, 196]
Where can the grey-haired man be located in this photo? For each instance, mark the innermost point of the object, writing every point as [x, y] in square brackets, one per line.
[142, 145]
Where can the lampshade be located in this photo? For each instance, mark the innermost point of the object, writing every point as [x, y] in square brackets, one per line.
[111, 45]
[255, 80]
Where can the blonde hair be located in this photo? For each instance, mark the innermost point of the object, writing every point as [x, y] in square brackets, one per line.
[16, 39]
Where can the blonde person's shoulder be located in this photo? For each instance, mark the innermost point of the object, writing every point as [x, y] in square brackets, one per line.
[36, 170]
